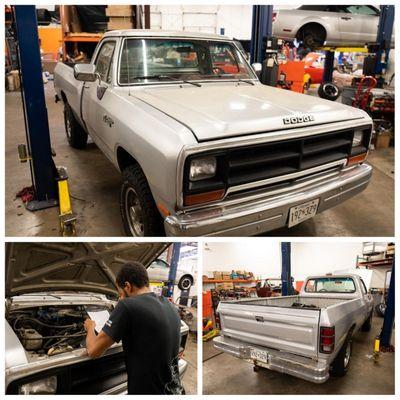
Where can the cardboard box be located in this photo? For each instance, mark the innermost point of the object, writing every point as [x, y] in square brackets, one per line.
[226, 275]
[217, 275]
[117, 23]
[120, 11]
[383, 140]
[225, 286]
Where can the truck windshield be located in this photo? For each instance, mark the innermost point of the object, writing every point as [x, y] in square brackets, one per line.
[153, 60]
[330, 285]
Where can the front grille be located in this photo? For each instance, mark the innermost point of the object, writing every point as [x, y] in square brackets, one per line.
[267, 161]
[260, 163]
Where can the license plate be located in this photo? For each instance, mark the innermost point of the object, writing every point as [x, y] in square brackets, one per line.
[259, 355]
[302, 212]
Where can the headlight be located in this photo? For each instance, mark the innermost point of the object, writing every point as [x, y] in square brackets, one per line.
[358, 138]
[202, 168]
[43, 386]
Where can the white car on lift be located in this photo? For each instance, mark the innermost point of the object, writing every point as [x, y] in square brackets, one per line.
[333, 25]
[159, 272]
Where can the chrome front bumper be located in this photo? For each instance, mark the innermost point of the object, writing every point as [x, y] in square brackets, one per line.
[300, 367]
[123, 387]
[262, 212]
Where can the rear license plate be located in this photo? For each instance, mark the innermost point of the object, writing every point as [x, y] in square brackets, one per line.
[302, 212]
[259, 355]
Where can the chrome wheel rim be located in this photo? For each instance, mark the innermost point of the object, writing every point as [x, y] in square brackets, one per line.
[68, 127]
[134, 212]
[347, 355]
[186, 283]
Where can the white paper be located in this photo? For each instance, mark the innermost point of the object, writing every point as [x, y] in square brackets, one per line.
[100, 317]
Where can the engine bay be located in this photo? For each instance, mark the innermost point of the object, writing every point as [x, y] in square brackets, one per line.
[50, 330]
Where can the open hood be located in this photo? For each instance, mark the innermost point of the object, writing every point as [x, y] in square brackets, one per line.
[45, 267]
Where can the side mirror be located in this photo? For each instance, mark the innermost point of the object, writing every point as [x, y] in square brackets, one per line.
[85, 72]
[257, 67]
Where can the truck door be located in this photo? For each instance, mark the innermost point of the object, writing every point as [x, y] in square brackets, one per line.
[358, 24]
[368, 302]
[96, 96]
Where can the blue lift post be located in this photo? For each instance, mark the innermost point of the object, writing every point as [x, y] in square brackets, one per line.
[387, 328]
[176, 250]
[260, 29]
[43, 170]
[286, 275]
[384, 37]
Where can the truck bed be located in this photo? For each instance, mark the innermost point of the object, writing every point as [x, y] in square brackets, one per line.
[288, 324]
[315, 303]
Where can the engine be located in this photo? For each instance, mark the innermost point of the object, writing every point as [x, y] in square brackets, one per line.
[50, 330]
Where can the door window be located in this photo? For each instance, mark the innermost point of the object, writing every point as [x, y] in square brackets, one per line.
[361, 10]
[104, 61]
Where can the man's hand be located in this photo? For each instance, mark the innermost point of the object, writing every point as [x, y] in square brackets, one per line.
[89, 325]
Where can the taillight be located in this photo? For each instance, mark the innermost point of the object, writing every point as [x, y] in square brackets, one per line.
[274, 14]
[327, 339]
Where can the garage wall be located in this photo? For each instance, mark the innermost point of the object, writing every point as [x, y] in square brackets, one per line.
[234, 19]
[263, 257]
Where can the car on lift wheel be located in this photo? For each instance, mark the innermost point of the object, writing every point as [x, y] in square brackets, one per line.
[140, 215]
[340, 365]
[76, 135]
[328, 91]
[185, 282]
[312, 36]
[380, 309]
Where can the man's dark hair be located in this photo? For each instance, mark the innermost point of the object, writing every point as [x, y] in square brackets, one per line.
[135, 273]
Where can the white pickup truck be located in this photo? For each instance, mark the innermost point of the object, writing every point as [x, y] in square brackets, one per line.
[308, 336]
[203, 147]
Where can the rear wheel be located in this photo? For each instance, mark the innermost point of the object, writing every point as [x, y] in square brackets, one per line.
[76, 135]
[340, 365]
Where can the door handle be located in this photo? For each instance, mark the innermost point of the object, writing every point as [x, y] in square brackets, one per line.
[345, 18]
[86, 87]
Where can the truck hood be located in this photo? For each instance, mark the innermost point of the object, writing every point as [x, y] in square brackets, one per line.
[41, 267]
[222, 110]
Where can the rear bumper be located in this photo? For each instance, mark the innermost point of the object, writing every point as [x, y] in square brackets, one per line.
[300, 367]
[263, 212]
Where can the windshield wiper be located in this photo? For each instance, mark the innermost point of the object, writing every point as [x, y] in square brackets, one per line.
[232, 75]
[160, 77]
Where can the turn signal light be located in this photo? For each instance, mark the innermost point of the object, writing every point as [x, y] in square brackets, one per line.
[193, 199]
[358, 159]
[327, 339]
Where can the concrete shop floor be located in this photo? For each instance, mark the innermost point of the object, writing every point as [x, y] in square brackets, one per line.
[189, 380]
[224, 374]
[95, 183]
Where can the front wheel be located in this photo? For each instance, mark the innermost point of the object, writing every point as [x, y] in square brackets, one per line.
[340, 365]
[366, 327]
[76, 135]
[139, 213]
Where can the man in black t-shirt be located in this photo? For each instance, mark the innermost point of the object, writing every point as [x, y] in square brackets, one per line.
[149, 327]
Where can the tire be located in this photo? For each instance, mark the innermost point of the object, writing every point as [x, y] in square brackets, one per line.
[76, 135]
[139, 213]
[380, 309]
[185, 282]
[328, 91]
[341, 363]
[366, 326]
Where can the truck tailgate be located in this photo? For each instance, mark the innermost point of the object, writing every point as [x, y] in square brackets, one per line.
[281, 328]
